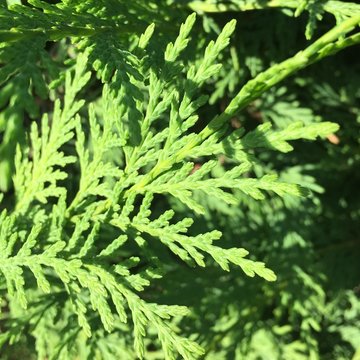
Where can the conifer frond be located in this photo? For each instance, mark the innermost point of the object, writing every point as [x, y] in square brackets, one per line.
[72, 265]
[128, 178]
[32, 177]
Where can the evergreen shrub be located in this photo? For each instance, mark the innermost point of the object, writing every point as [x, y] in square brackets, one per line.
[179, 179]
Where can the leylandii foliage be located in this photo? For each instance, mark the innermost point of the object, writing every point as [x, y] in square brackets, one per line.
[114, 154]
